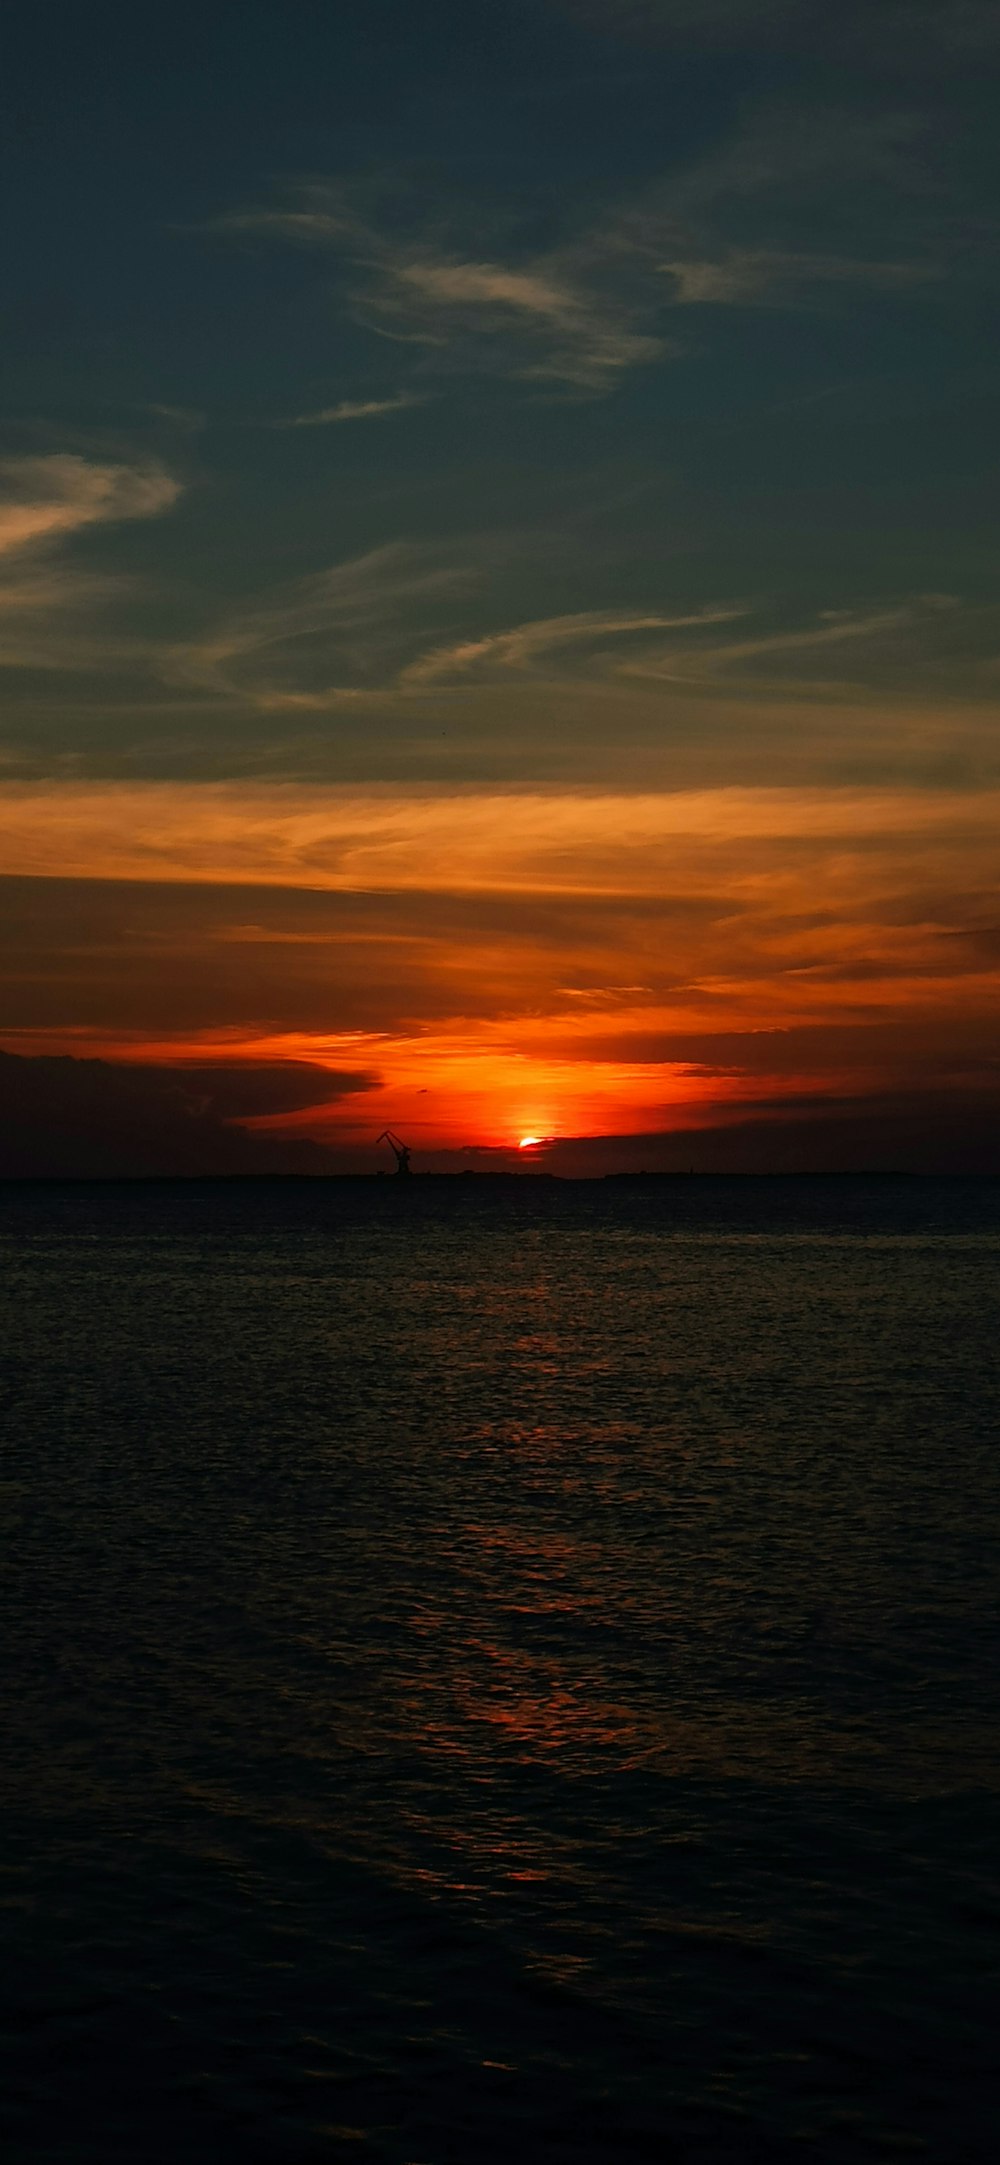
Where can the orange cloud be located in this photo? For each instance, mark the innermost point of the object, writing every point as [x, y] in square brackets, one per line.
[569, 841]
[523, 963]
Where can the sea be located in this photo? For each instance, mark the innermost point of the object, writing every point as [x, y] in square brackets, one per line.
[500, 1670]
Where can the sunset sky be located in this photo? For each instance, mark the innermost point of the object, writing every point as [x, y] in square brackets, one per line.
[499, 587]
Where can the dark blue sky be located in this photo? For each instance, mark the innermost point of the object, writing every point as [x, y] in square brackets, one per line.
[748, 350]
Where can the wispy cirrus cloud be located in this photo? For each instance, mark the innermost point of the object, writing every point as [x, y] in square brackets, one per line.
[735, 227]
[883, 644]
[579, 336]
[352, 409]
[329, 637]
[570, 840]
[539, 643]
[54, 611]
[360, 630]
[739, 225]
[774, 277]
[43, 500]
[544, 318]
[186, 420]
[917, 644]
[389, 634]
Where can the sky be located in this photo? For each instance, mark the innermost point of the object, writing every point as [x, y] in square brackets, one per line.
[499, 608]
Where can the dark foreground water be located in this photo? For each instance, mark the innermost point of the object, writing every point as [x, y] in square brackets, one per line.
[500, 1672]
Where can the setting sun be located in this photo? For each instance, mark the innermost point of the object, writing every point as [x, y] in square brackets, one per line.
[528, 1142]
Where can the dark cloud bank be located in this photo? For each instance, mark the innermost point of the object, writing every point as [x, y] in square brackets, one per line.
[919, 1133]
[62, 1118]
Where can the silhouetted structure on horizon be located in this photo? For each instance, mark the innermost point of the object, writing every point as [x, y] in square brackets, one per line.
[400, 1149]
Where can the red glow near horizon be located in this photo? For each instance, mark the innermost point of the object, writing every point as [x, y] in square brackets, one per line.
[638, 964]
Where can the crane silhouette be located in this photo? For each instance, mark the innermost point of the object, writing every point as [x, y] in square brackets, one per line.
[400, 1149]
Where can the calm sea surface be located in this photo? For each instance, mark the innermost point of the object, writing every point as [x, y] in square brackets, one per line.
[500, 1671]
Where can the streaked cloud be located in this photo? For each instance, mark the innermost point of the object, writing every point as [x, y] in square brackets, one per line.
[596, 303]
[361, 631]
[352, 409]
[187, 420]
[44, 500]
[796, 205]
[543, 319]
[327, 637]
[538, 642]
[581, 337]
[586, 841]
[56, 612]
[760, 661]
[746, 276]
